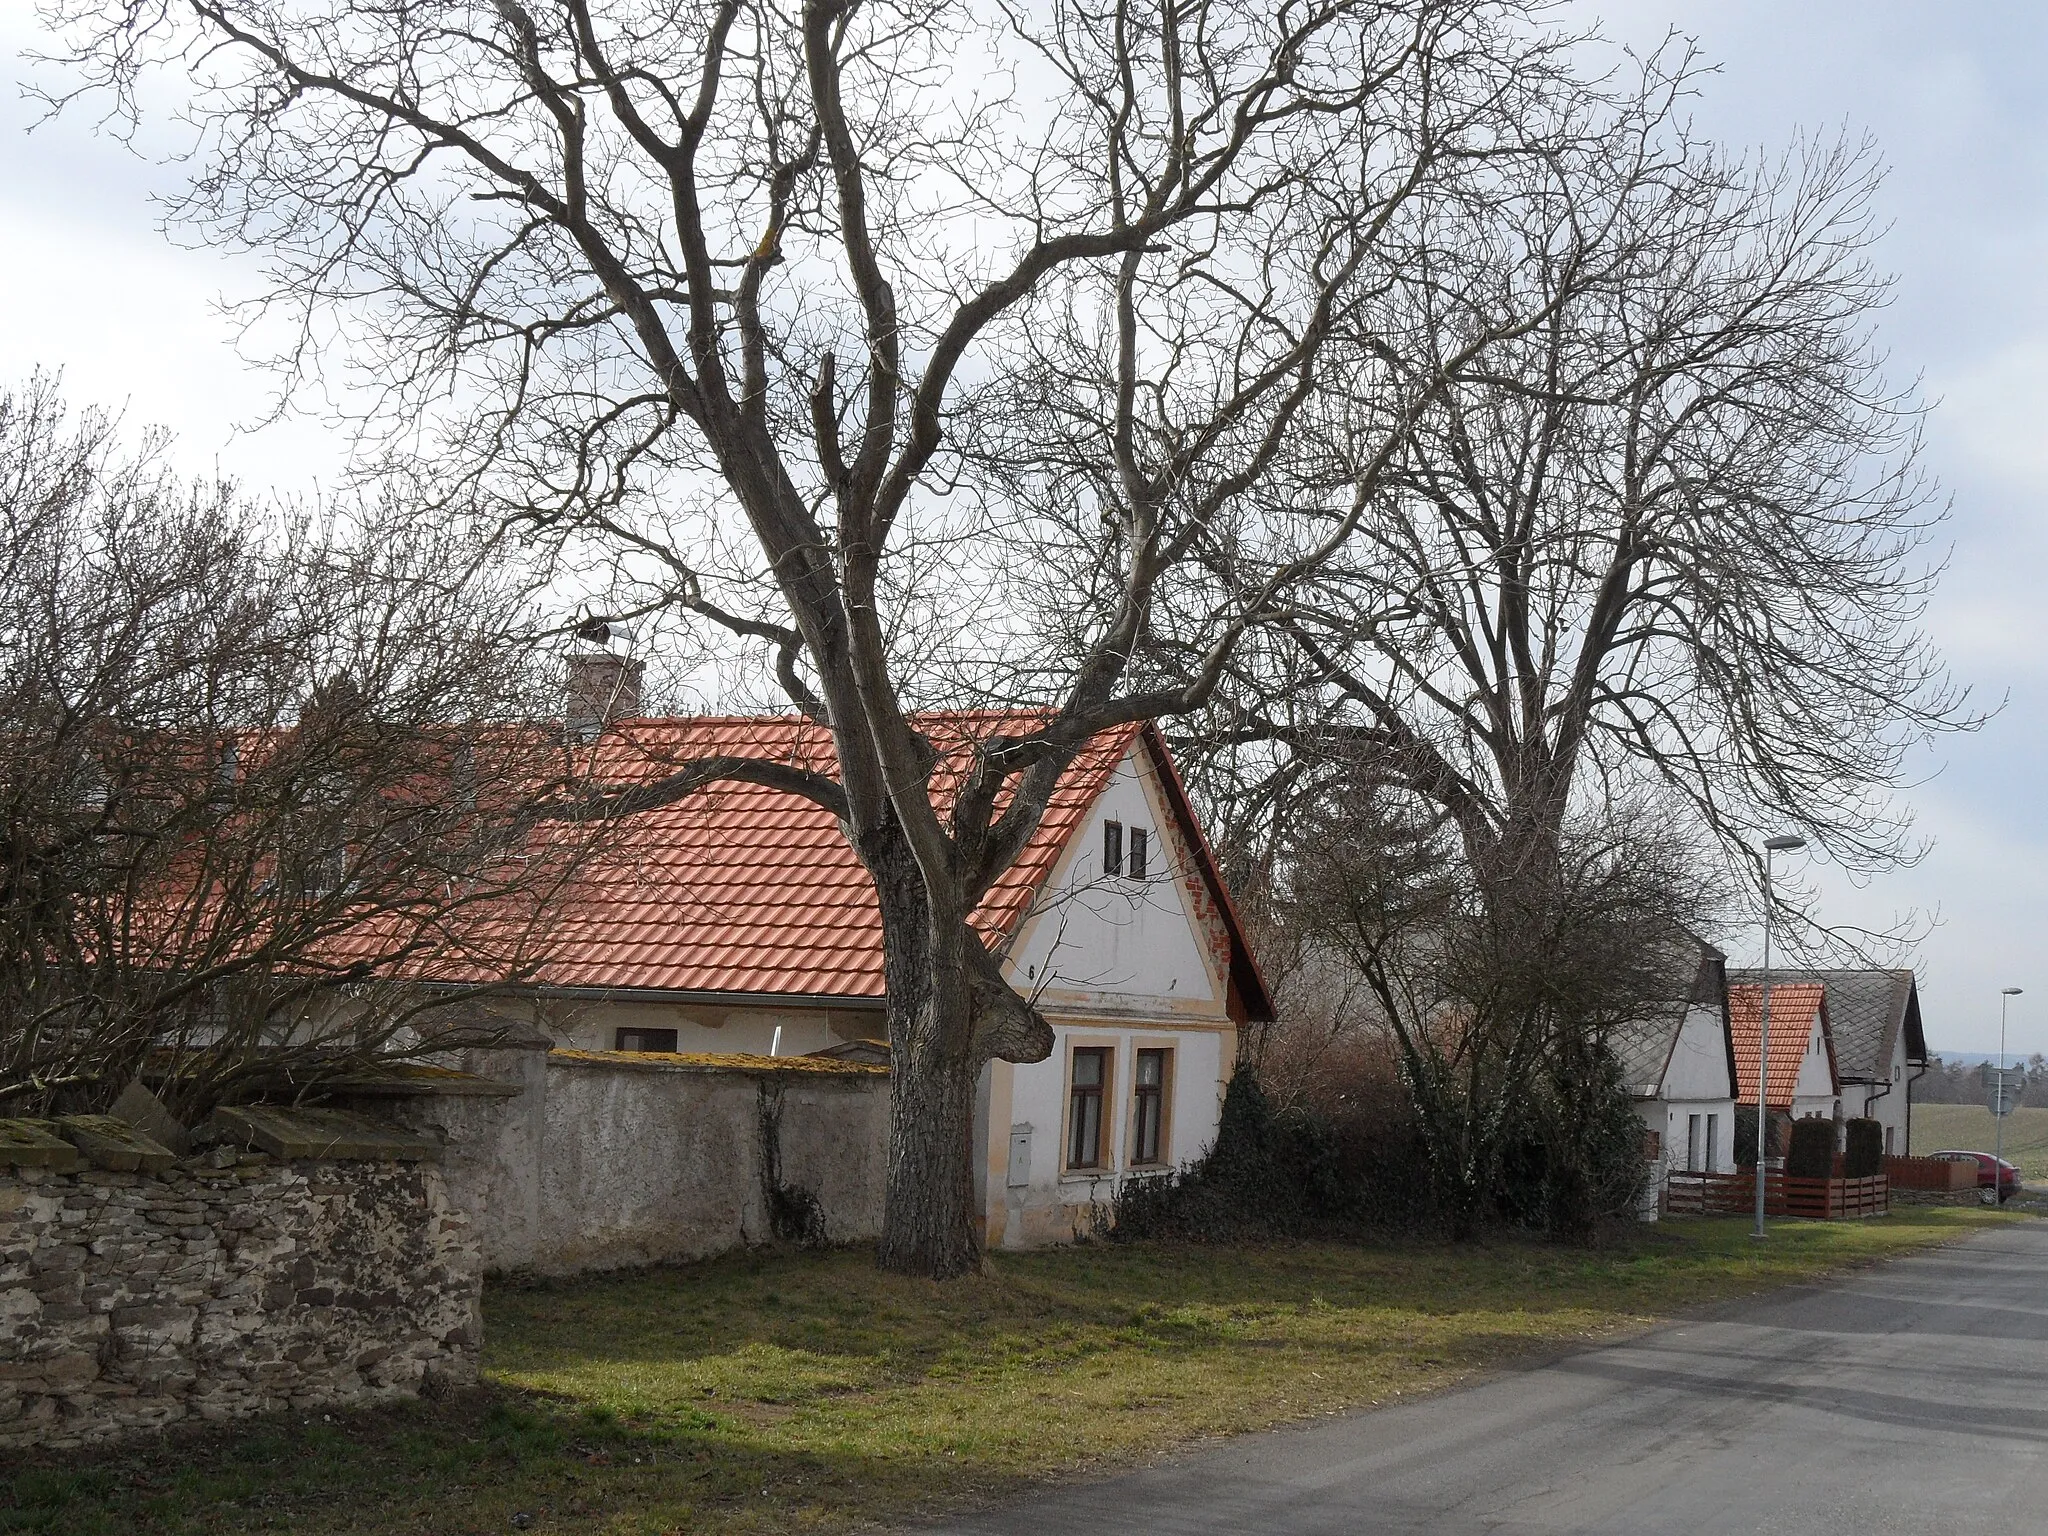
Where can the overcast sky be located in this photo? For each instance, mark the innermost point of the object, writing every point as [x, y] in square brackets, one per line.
[1955, 94]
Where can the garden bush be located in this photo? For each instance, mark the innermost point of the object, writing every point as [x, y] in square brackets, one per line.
[1863, 1156]
[1812, 1153]
[1281, 1171]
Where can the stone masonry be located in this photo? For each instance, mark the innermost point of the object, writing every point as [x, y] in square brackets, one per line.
[229, 1283]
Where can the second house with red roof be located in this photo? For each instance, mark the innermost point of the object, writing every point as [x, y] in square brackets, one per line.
[1803, 1079]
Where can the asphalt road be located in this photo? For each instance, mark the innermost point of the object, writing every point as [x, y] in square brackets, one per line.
[1912, 1397]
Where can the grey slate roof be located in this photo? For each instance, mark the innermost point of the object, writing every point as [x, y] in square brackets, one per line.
[1867, 1009]
[1644, 1047]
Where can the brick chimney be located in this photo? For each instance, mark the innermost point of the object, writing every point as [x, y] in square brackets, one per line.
[598, 688]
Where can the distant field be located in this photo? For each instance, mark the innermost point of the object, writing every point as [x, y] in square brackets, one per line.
[1940, 1126]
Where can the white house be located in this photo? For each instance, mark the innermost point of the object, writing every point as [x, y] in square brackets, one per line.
[1679, 1065]
[1880, 1047]
[737, 921]
[1803, 1081]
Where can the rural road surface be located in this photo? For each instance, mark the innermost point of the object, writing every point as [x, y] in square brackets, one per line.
[1909, 1398]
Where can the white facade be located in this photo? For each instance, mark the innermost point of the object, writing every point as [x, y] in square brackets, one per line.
[1692, 1112]
[1814, 1091]
[1884, 1102]
[1121, 964]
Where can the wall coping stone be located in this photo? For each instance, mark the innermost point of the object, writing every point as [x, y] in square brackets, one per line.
[317, 1133]
[35, 1144]
[108, 1142]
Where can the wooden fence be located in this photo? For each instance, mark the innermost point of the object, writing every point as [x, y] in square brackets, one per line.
[1734, 1194]
[1931, 1173]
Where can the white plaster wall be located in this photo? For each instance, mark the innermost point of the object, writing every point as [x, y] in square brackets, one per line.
[601, 1165]
[1668, 1118]
[1678, 1112]
[1815, 1086]
[717, 1029]
[1053, 1205]
[1103, 940]
[1699, 1062]
[1870, 1101]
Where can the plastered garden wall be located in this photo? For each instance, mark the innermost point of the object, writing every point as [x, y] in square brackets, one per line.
[228, 1284]
[611, 1159]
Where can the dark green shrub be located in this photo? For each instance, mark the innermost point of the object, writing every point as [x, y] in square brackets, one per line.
[1863, 1156]
[1277, 1172]
[1812, 1153]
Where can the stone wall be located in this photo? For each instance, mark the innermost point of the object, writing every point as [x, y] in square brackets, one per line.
[610, 1159]
[227, 1284]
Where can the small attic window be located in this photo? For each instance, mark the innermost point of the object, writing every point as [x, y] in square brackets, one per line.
[1112, 847]
[1134, 865]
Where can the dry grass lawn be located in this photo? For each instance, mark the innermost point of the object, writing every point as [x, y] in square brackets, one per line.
[807, 1393]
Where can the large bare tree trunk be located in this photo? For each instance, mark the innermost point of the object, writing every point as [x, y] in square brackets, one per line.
[929, 1228]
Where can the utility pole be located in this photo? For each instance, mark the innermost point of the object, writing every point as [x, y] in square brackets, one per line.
[2002, 1107]
[1772, 847]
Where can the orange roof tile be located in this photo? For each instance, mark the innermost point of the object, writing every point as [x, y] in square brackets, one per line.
[1794, 1006]
[744, 888]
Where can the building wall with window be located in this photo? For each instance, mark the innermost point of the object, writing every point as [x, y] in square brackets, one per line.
[1884, 1102]
[1129, 960]
[1692, 1117]
[1061, 1140]
[1123, 925]
[694, 1026]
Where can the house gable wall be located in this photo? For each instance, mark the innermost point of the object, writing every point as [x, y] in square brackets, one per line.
[1815, 1080]
[1698, 1069]
[1155, 947]
[1872, 1101]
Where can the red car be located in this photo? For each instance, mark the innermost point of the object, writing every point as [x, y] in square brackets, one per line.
[2008, 1178]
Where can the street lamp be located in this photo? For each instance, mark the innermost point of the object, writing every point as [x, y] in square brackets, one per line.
[1772, 847]
[1998, 1114]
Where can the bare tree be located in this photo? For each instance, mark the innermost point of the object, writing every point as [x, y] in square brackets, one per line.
[1503, 997]
[1669, 539]
[820, 324]
[268, 789]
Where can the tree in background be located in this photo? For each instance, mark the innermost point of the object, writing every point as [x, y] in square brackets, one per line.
[1662, 549]
[925, 352]
[1503, 1001]
[1668, 541]
[261, 779]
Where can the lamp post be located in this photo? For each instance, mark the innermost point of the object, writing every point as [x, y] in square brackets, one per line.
[1772, 847]
[1998, 1119]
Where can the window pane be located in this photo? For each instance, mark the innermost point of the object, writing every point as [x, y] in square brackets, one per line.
[1112, 847]
[1086, 1151]
[1087, 1069]
[1135, 865]
[1149, 1065]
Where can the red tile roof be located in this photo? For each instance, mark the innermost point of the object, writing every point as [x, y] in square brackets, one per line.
[744, 888]
[1794, 1006]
